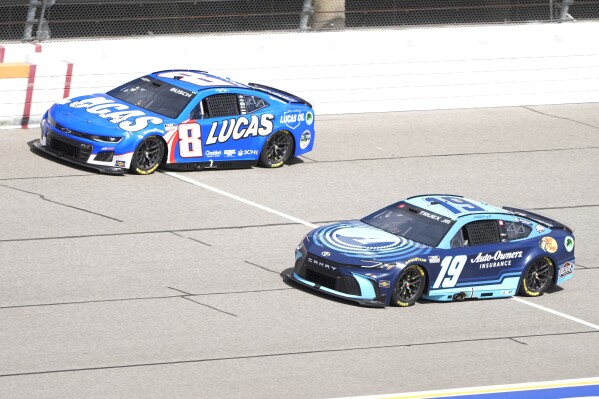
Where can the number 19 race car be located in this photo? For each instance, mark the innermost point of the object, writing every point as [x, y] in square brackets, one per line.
[182, 119]
[438, 247]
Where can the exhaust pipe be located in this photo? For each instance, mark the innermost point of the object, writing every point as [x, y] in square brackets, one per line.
[459, 297]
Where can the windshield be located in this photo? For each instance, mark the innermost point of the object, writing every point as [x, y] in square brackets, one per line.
[411, 222]
[154, 95]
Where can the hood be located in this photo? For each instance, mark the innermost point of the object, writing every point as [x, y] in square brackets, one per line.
[103, 114]
[356, 243]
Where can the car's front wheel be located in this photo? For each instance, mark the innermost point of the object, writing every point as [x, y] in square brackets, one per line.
[147, 156]
[537, 277]
[409, 286]
[277, 150]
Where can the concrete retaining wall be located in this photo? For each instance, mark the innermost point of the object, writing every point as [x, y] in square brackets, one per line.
[339, 72]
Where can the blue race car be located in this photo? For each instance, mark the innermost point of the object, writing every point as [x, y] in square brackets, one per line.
[182, 119]
[437, 247]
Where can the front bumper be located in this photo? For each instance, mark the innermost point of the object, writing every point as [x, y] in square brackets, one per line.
[113, 170]
[372, 299]
[100, 156]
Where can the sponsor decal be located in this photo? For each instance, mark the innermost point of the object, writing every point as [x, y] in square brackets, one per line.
[305, 139]
[107, 149]
[569, 243]
[318, 263]
[434, 259]
[212, 154]
[419, 260]
[435, 217]
[524, 221]
[180, 92]
[309, 118]
[381, 265]
[67, 131]
[540, 228]
[221, 90]
[292, 118]
[126, 118]
[506, 292]
[120, 164]
[169, 126]
[326, 253]
[548, 244]
[372, 275]
[498, 259]
[241, 153]
[478, 217]
[567, 268]
[384, 284]
[240, 128]
[229, 153]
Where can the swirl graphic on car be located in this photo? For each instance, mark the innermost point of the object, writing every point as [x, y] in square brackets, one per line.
[357, 240]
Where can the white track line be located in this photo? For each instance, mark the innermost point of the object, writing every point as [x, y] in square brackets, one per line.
[240, 199]
[555, 312]
[312, 225]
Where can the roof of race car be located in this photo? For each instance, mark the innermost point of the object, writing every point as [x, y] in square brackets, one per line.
[452, 206]
[194, 80]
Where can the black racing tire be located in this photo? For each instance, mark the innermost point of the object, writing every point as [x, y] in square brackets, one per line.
[147, 156]
[409, 286]
[277, 150]
[537, 277]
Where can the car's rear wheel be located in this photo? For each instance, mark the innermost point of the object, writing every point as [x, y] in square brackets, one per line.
[409, 286]
[537, 277]
[147, 156]
[277, 150]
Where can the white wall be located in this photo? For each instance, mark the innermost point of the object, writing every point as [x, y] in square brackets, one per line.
[343, 72]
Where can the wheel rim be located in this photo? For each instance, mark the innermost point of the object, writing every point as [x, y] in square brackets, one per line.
[148, 153]
[277, 147]
[408, 285]
[538, 275]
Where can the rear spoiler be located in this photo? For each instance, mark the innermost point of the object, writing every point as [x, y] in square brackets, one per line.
[279, 93]
[545, 221]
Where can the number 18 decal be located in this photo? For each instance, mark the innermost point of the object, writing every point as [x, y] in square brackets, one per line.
[190, 140]
[451, 268]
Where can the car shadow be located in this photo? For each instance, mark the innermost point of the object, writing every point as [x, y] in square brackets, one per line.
[295, 161]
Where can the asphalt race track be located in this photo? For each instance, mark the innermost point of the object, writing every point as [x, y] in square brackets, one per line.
[152, 287]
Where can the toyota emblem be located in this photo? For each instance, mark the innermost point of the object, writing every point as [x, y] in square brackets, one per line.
[326, 253]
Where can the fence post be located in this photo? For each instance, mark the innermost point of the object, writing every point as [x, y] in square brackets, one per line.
[307, 11]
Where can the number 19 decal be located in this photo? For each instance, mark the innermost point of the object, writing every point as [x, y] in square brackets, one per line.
[190, 140]
[451, 268]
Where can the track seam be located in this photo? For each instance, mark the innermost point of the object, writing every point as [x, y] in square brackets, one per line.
[299, 353]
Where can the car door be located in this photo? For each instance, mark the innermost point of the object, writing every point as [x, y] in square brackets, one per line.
[231, 125]
[480, 255]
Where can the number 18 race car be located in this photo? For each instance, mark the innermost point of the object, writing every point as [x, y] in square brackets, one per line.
[438, 247]
[181, 119]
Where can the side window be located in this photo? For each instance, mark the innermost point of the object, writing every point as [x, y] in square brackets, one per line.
[477, 233]
[221, 105]
[516, 230]
[252, 103]
[458, 240]
[483, 232]
[197, 112]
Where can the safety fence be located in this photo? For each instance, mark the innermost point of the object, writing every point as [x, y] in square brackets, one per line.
[40, 20]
